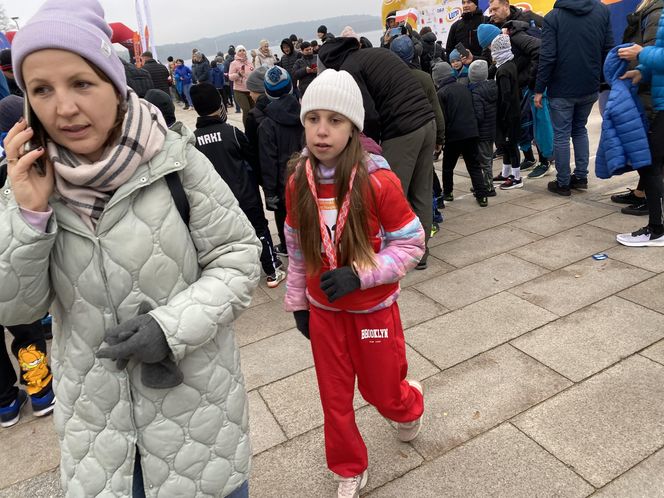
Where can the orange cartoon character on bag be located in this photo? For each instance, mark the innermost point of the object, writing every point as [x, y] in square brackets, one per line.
[34, 366]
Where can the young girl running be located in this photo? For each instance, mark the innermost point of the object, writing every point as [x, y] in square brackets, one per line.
[351, 237]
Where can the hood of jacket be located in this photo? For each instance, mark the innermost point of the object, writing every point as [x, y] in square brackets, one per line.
[429, 38]
[334, 52]
[285, 111]
[516, 26]
[287, 41]
[578, 7]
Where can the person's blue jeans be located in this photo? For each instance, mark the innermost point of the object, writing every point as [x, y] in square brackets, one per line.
[138, 489]
[186, 89]
[569, 117]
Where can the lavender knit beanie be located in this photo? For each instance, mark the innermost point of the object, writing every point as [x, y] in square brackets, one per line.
[77, 26]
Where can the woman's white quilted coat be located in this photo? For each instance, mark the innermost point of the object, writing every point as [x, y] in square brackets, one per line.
[193, 439]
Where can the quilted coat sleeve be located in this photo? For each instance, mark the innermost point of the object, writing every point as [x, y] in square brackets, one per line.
[25, 287]
[228, 254]
[296, 278]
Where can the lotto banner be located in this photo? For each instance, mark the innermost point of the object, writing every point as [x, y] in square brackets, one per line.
[441, 14]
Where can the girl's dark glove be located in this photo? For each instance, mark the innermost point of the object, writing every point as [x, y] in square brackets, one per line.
[302, 322]
[337, 283]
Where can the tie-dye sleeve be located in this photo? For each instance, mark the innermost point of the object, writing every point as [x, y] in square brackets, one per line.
[296, 277]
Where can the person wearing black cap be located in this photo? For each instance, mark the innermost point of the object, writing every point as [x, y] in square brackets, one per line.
[8, 72]
[465, 29]
[323, 35]
[158, 72]
[164, 103]
[230, 153]
[306, 67]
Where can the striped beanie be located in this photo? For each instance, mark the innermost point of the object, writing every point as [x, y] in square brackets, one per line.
[277, 83]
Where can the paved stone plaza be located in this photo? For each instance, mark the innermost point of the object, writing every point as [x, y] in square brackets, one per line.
[543, 369]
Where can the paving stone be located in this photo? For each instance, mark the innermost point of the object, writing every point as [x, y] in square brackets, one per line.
[264, 429]
[265, 320]
[482, 245]
[605, 425]
[436, 267]
[648, 258]
[655, 352]
[648, 293]
[484, 218]
[646, 480]
[28, 450]
[416, 308]
[540, 202]
[46, 485]
[442, 236]
[477, 281]
[619, 223]
[275, 358]
[468, 399]
[567, 247]
[298, 468]
[560, 218]
[462, 334]
[502, 462]
[576, 286]
[593, 338]
[295, 401]
[259, 298]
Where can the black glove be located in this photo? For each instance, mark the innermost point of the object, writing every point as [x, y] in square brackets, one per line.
[337, 283]
[141, 338]
[272, 202]
[302, 322]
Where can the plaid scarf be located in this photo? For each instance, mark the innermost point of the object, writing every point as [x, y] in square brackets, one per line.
[87, 187]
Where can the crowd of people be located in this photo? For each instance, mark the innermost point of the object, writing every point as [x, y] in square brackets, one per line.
[146, 240]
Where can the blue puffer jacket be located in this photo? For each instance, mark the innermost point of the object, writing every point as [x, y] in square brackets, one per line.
[651, 65]
[623, 145]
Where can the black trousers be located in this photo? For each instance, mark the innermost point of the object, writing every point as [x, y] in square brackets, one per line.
[468, 149]
[256, 217]
[24, 336]
[650, 177]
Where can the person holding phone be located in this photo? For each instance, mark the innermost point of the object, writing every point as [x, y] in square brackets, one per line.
[465, 30]
[306, 67]
[151, 399]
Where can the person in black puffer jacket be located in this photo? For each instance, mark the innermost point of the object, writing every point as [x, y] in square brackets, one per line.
[485, 101]
[158, 72]
[461, 133]
[200, 68]
[429, 48]
[280, 135]
[138, 79]
[289, 58]
[465, 29]
[306, 67]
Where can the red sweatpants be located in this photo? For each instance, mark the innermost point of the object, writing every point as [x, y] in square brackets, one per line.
[370, 346]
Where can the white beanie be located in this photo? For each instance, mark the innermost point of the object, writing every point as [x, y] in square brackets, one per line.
[335, 91]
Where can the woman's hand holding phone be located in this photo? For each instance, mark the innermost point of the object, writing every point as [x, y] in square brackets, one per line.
[31, 188]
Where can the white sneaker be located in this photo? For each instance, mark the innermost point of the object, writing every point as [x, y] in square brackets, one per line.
[276, 278]
[640, 238]
[407, 431]
[349, 487]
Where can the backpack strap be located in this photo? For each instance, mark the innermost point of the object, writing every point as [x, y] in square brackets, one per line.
[179, 195]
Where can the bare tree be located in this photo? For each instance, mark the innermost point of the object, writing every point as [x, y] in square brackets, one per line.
[6, 24]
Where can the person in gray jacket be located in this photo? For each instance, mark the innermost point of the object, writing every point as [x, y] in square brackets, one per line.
[151, 398]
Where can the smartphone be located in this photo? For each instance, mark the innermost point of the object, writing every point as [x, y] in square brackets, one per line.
[462, 50]
[395, 31]
[32, 121]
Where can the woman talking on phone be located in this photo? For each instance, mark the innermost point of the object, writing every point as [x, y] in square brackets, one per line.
[151, 400]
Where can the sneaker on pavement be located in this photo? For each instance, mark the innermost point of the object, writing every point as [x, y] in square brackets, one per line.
[491, 193]
[434, 229]
[557, 189]
[281, 250]
[482, 201]
[440, 202]
[627, 198]
[637, 209]
[499, 179]
[539, 171]
[349, 487]
[276, 278]
[43, 405]
[511, 183]
[641, 238]
[526, 164]
[407, 431]
[10, 415]
[449, 197]
[578, 183]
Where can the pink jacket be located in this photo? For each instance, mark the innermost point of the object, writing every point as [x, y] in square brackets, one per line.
[240, 82]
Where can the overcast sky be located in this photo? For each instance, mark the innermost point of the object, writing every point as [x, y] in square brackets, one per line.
[184, 20]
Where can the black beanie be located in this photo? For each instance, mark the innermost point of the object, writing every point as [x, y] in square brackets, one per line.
[206, 99]
[322, 29]
[11, 110]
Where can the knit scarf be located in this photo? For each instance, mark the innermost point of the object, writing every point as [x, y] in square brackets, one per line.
[501, 50]
[86, 187]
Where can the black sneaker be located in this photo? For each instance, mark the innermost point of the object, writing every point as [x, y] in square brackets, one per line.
[627, 198]
[539, 171]
[440, 202]
[483, 201]
[281, 250]
[491, 193]
[449, 197]
[526, 164]
[578, 183]
[499, 179]
[637, 209]
[557, 189]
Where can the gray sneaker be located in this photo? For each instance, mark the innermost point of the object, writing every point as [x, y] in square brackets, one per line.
[407, 431]
[349, 487]
[540, 170]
